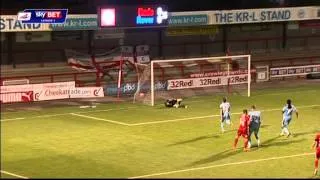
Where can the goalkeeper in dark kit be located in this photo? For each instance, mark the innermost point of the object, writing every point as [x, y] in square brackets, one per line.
[177, 103]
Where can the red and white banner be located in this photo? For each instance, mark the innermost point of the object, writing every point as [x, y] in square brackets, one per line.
[39, 92]
[16, 88]
[206, 82]
[31, 87]
[51, 91]
[11, 97]
[86, 92]
[47, 91]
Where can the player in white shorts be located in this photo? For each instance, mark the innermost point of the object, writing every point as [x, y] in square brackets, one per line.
[287, 112]
[225, 113]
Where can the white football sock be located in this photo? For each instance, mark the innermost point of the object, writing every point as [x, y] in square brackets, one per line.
[286, 131]
[222, 129]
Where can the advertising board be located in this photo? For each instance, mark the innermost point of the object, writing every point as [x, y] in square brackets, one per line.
[77, 22]
[131, 88]
[11, 97]
[10, 23]
[86, 92]
[188, 20]
[47, 91]
[35, 92]
[220, 73]
[206, 82]
[263, 15]
[294, 71]
[51, 91]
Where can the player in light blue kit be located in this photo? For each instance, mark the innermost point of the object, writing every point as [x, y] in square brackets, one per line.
[225, 113]
[287, 117]
[255, 123]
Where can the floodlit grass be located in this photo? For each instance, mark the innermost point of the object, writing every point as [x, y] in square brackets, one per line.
[53, 143]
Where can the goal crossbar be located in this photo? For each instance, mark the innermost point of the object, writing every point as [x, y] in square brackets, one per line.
[203, 58]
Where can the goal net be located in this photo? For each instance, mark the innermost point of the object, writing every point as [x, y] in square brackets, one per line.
[181, 78]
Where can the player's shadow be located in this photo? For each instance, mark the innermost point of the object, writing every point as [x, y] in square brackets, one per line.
[216, 157]
[282, 143]
[304, 133]
[269, 140]
[265, 125]
[195, 140]
[230, 152]
[201, 138]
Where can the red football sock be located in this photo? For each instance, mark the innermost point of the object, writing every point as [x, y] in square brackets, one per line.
[316, 163]
[235, 142]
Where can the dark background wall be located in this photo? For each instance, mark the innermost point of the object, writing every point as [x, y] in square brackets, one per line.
[239, 37]
[89, 6]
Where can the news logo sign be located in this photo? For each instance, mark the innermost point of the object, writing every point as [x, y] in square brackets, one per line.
[132, 16]
[50, 16]
[151, 16]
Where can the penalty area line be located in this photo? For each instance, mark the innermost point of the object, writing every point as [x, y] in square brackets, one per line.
[173, 120]
[13, 119]
[221, 165]
[13, 174]
[99, 119]
[63, 114]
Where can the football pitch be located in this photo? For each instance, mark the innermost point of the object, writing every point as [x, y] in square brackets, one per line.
[126, 140]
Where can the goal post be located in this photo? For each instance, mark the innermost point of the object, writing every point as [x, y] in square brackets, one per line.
[152, 84]
[249, 75]
[194, 76]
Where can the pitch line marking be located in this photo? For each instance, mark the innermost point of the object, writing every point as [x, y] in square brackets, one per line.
[221, 165]
[172, 120]
[13, 119]
[254, 95]
[275, 94]
[100, 119]
[62, 114]
[209, 116]
[12, 174]
[146, 123]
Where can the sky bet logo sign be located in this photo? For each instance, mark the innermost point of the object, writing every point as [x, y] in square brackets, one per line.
[148, 16]
[50, 16]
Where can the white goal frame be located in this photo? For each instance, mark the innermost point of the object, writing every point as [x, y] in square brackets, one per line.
[205, 58]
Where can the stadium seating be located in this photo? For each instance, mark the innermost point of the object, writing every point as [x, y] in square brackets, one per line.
[275, 58]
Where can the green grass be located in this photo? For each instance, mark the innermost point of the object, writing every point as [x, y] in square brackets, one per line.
[67, 146]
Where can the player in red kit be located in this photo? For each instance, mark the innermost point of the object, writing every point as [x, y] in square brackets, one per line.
[243, 130]
[316, 145]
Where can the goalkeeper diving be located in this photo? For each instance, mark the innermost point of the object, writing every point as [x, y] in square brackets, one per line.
[177, 103]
